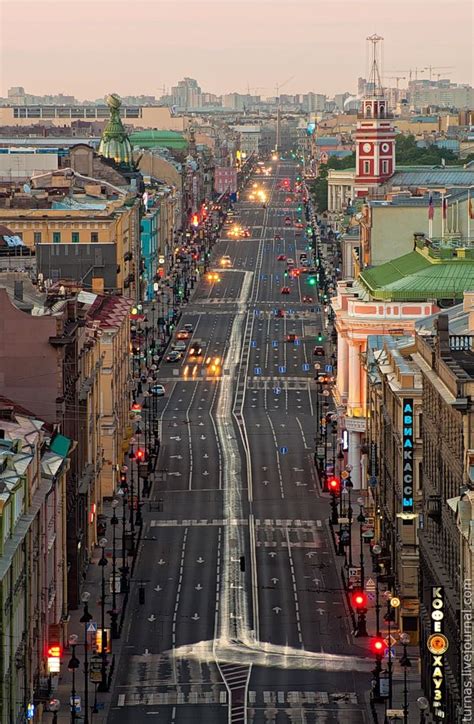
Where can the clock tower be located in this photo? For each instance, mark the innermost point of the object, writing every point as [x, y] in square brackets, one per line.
[375, 135]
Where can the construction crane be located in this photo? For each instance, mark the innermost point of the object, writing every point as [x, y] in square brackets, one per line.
[431, 68]
[278, 87]
[410, 72]
[396, 78]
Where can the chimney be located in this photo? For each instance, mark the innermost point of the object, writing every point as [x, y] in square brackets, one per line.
[442, 329]
[468, 306]
[18, 290]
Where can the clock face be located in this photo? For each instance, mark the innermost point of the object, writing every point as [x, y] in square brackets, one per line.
[367, 147]
[385, 147]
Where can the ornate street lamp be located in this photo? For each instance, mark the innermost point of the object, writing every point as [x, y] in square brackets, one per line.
[85, 619]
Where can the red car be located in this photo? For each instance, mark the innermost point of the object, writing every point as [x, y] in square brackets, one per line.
[280, 313]
[307, 299]
[287, 221]
[281, 257]
[285, 290]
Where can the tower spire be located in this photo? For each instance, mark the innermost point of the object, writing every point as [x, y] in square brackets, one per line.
[375, 81]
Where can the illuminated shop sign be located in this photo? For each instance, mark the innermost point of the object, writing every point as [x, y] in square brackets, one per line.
[437, 646]
[407, 437]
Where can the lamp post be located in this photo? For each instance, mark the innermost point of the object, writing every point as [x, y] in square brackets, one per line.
[85, 618]
[131, 501]
[361, 519]
[392, 603]
[123, 492]
[422, 704]
[349, 486]
[406, 663]
[72, 666]
[113, 613]
[102, 563]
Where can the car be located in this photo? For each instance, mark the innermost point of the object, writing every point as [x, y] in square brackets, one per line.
[319, 351]
[285, 290]
[287, 221]
[178, 346]
[174, 356]
[303, 255]
[291, 337]
[225, 261]
[280, 313]
[182, 334]
[281, 257]
[288, 200]
[195, 350]
[277, 237]
[246, 234]
[290, 261]
[157, 390]
[188, 328]
[298, 225]
[307, 299]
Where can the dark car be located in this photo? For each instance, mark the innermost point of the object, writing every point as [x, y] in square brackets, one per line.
[291, 337]
[195, 350]
[287, 221]
[174, 356]
[319, 351]
[280, 313]
[307, 299]
[285, 290]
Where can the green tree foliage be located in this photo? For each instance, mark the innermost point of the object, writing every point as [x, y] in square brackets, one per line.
[319, 188]
[409, 154]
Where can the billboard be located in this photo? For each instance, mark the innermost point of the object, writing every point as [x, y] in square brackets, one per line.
[225, 179]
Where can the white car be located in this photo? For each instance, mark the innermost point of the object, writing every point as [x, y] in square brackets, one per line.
[158, 391]
[179, 346]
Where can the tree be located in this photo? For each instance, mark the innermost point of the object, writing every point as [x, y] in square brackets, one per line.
[408, 153]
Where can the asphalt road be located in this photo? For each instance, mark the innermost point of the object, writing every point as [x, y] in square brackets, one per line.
[213, 643]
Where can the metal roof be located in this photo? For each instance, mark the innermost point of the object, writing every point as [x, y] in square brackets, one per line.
[429, 176]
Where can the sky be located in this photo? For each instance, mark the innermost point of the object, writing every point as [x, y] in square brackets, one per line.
[88, 49]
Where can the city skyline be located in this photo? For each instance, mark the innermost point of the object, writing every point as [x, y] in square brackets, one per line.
[154, 35]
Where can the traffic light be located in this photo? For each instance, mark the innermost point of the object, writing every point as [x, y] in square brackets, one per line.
[320, 337]
[359, 600]
[312, 281]
[377, 646]
[195, 220]
[140, 455]
[333, 484]
[285, 273]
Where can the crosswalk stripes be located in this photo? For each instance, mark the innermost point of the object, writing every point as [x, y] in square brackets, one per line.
[260, 523]
[219, 695]
[270, 383]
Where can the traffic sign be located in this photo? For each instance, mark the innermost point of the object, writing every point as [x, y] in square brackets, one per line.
[277, 390]
[391, 650]
[253, 343]
[328, 368]
[283, 450]
[370, 585]
[258, 370]
[274, 343]
[92, 627]
[306, 367]
[282, 370]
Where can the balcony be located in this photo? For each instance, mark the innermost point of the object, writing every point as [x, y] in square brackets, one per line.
[433, 505]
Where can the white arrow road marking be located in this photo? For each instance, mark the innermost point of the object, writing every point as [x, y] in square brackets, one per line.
[264, 467]
[205, 472]
[203, 437]
[257, 424]
[152, 618]
[265, 482]
[176, 457]
[274, 581]
[146, 653]
[310, 554]
[298, 470]
[201, 424]
[158, 588]
[205, 456]
[200, 559]
[199, 408]
[177, 474]
[299, 484]
[320, 611]
[180, 399]
[161, 562]
[195, 617]
[282, 424]
[272, 554]
[277, 609]
[176, 437]
[316, 581]
[198, 587]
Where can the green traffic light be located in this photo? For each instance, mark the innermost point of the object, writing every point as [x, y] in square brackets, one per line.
[312, 281]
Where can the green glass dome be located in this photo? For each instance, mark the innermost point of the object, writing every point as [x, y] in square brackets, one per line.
[115, 143]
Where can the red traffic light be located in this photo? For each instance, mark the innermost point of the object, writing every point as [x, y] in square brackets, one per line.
[377, 645]
[140, 455]
[359, 600]
[333, 484]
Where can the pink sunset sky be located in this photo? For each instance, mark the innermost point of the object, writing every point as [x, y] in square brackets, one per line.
[91, 48]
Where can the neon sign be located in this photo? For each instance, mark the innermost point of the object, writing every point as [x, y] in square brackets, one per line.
[407, 437]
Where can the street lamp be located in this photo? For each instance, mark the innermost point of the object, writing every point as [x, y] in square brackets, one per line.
[392, 603]
[406, 663]
[348, 485]
[72, 666]
[113, 613]
[123, 491]
[102, 563]
[85, 618]
[422, 704]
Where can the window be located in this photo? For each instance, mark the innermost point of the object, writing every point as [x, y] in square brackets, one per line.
[94, 237]
[56, 237]
[37, 237]
[366, 167]
[384, 166]
[75, 237]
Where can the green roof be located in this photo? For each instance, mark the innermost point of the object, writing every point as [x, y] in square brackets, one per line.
[154, 138]
[420, 275]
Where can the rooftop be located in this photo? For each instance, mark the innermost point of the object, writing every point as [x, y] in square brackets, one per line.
[441, 176]
[421, 275]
